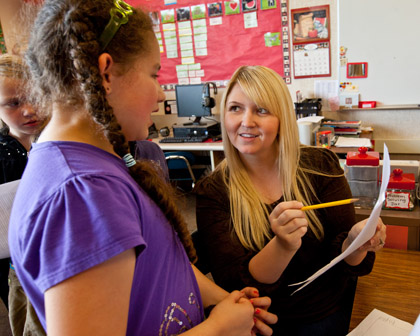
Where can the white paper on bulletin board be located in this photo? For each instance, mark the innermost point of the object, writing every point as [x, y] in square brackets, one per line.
[326, 89]
[229, 44]
[312, 60]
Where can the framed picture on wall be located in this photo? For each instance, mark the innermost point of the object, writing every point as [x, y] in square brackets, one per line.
[311, 24]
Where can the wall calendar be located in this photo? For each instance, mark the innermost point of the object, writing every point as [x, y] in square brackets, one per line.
[312, 60]
[311, 41]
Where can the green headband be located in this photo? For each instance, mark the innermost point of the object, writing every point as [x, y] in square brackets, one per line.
[119, 16]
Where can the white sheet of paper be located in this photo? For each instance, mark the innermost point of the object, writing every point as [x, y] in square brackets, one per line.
[367, 232]
[312, 119]
[326, 88]
[353, 142]
[378, 323]
[416, 330]
[7, 195]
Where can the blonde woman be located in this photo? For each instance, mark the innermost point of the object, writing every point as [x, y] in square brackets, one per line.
[248, 211]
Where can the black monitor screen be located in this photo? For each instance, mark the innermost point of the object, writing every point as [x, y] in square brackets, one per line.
[189, 102]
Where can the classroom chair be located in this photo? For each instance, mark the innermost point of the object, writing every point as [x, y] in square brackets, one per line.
[180, 167]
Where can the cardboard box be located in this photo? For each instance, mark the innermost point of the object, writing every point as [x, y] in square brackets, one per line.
[349, 99]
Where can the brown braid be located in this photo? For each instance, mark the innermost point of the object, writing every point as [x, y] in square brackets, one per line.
[163, 194]
[74, 73]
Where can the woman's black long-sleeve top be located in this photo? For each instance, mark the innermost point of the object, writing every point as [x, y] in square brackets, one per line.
[228, 260]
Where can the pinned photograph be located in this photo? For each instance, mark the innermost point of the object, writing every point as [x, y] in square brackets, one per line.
[249, 5]
[214, 9]
[167, 15]
[272, 39]
[268, 4]
[232, 7]
[311, 24]
[198, 12]
[183, 14]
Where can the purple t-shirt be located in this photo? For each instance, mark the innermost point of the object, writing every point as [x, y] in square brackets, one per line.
[77, 207]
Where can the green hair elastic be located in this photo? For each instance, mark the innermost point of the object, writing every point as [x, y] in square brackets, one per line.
[129, 160]
[119, 16]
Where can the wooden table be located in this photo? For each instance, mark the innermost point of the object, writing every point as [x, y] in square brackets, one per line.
[215, 149]
[393, 287]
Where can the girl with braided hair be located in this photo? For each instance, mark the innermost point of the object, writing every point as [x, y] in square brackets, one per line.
[97, 242]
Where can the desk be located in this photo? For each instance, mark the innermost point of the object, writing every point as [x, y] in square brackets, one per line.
[342, 151]
[215, 149]
[393, 287]
[410, 219]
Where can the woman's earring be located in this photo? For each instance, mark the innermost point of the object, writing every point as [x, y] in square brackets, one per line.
[107, 89]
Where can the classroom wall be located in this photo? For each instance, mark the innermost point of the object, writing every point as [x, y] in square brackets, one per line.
[306, 85]
[395, 126]
[385, 35]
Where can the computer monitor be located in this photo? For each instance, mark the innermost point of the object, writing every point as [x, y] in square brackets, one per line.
[189, 102]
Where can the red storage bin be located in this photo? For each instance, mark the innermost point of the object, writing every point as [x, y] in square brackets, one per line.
[362, 158]
[400, 193]
[367, 104]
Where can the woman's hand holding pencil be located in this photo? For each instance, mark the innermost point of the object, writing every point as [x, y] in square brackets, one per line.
[290, 224]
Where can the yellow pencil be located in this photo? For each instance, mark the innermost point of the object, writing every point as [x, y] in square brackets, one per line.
[329, 204]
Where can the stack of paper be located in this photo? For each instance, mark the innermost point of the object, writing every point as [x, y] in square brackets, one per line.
[378, 323]
[353, 142]
[351, 127]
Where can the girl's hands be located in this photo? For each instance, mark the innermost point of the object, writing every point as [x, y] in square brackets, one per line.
[289, 224]
[261, 315]
[232, 316]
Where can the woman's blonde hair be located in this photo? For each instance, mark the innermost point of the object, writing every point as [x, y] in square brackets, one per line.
[249, 213]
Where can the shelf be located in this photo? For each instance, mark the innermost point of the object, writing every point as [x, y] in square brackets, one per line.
[409, 219]
[385, 107]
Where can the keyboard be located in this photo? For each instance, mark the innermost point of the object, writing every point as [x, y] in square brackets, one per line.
[183, 139]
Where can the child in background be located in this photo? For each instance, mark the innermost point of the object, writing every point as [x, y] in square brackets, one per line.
[20, 124]
[95, 236]
[19, 121]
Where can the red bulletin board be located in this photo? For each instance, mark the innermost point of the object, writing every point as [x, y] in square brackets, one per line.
[230, 44]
